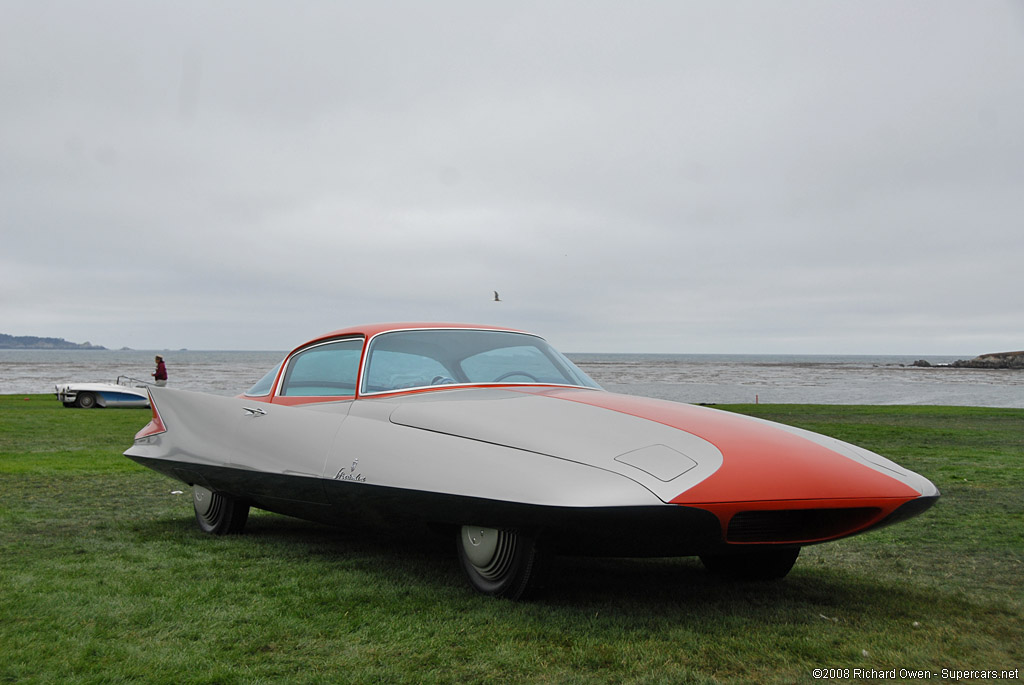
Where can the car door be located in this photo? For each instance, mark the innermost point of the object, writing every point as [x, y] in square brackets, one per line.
[283, 444]
[279, 451]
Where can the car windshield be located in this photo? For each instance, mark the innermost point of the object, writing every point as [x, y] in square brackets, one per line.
[401, 360]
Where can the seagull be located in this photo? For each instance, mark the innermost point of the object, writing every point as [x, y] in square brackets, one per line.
[496, 298]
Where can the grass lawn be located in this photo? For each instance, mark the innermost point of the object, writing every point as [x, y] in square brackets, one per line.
[104, 577]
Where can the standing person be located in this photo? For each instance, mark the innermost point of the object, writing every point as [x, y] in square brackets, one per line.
[160, 375]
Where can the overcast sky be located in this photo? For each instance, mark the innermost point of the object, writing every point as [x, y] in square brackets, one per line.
[762, 177]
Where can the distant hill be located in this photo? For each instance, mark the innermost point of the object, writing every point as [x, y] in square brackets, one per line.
[993, 360]
[31, 342]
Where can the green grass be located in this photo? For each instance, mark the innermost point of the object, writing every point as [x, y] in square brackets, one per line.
[105, 578]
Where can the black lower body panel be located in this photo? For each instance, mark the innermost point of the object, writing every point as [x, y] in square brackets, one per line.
[658, 530]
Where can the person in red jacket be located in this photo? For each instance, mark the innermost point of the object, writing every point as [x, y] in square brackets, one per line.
[160, 375]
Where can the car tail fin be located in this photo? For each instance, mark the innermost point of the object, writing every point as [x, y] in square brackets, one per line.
[156, 424]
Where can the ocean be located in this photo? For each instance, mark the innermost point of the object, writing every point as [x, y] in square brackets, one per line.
[693, 378]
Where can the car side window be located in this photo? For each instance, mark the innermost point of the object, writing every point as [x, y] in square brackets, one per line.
[324, 370]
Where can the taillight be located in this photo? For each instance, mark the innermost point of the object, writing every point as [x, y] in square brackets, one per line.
[155, 426]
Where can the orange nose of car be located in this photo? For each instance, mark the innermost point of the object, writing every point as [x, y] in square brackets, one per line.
[777, 487]
[782, 485]
[764, 464]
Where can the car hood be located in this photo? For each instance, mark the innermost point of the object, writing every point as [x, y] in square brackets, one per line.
[683, 453]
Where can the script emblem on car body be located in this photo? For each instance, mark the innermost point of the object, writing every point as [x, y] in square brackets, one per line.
[351, 474]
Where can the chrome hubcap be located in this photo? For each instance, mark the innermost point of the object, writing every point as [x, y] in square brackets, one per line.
[202, 499]
[489, 550]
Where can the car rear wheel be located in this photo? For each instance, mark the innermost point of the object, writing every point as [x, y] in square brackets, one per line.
[218, 513]
[502, 563]
[760, 565]
[85, 400]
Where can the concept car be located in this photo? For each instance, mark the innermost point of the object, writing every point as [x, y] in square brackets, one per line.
[124, 392]
[493, 435]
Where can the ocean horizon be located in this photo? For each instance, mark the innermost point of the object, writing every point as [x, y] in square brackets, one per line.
[692, 378]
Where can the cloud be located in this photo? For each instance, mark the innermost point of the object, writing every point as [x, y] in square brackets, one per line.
[792, 177]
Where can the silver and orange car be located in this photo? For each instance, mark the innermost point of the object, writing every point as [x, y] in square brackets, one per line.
[493, 434]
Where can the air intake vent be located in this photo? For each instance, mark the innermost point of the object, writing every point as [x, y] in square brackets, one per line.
[798, 525]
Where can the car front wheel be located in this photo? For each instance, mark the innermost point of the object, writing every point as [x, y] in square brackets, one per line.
[85, 400]
[502, 563]
[218, 513]
[760, 565]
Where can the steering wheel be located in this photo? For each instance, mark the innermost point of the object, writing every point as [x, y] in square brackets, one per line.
[516, 373]
[442, 380]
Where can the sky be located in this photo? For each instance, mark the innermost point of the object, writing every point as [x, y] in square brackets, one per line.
[804, 177]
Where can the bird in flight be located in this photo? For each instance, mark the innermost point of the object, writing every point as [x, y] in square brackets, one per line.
[496, 298]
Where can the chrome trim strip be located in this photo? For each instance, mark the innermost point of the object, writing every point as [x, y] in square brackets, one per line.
[462, 386]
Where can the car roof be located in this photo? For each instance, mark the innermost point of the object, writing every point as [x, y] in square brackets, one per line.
[370, 330]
